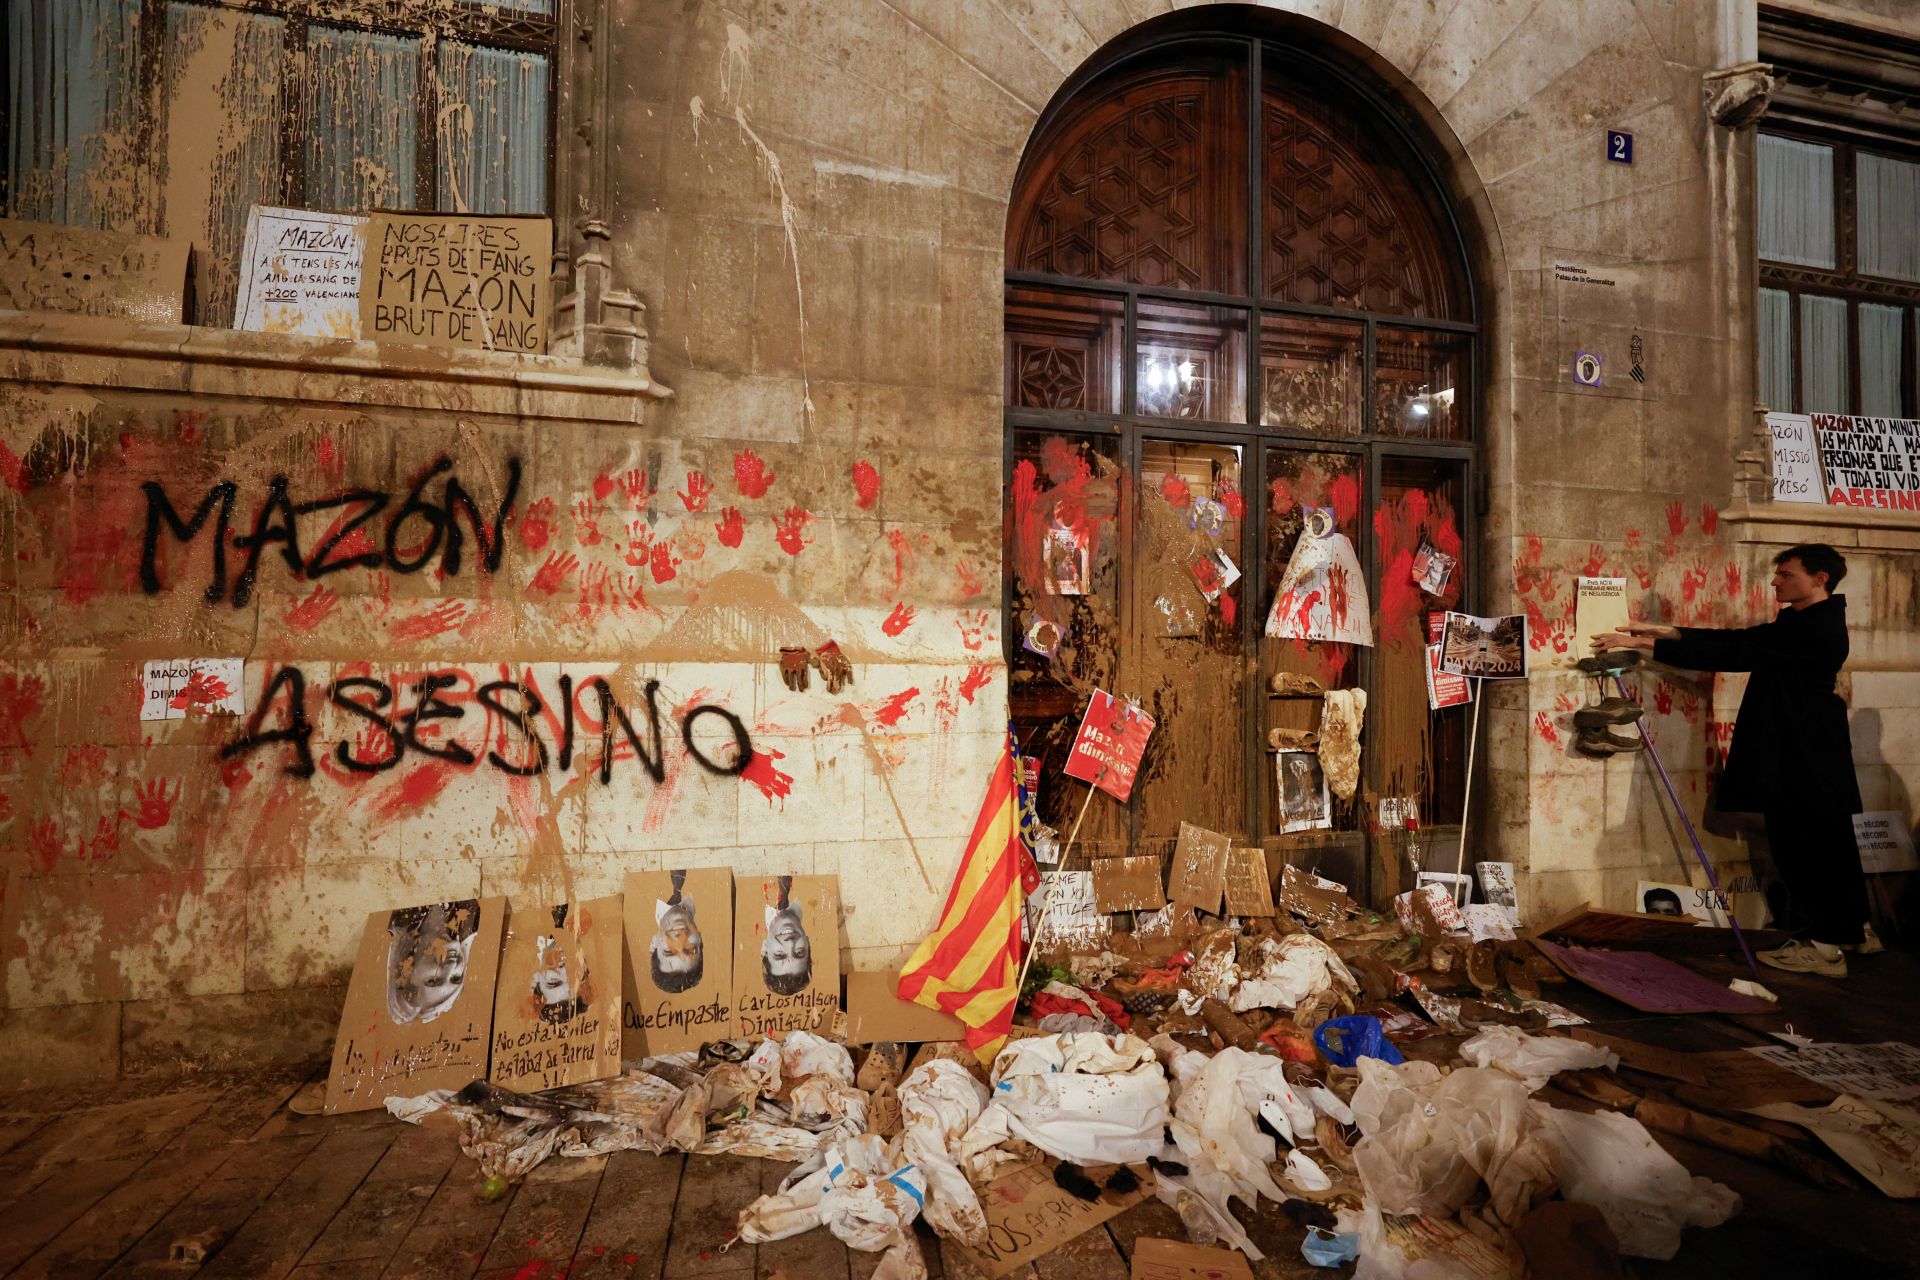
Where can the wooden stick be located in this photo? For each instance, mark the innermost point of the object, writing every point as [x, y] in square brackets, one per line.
[1466, 799]
[1066, 856]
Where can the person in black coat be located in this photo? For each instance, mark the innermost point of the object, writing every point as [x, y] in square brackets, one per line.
[1792, 757]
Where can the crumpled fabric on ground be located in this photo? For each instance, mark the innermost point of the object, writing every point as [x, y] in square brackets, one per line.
[938, 1104]
[1611, 1162]
[1090, 1099]
[1535, 1059]
[862, 1191]
[1062, 997]
[1429, 1143]
[1340, 739]
[1293, 969]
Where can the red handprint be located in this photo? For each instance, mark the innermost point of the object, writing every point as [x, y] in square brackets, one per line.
[554, 572]
[1596, 561]
[751, 474]
[593, 588]
[200, 692]
[634, 485]
[537, 525]
[1709, 519]
[973, 629]
[695, 495]
[1676, 517]
[899, 620]
[45, 842]
[967, 579]
[156, 804]
[602, 487]
[1544, 726]
[1643, 574]
[586, 526]
[435, 621]
[1691, 582]
[1338, 597]
[84, 765]
[731, 528]
[787, 530]
[312, 610]
[665, 563]
[1733, 582]
[106, 838]
[639, 543]
[1662, 698]
[1633, 539]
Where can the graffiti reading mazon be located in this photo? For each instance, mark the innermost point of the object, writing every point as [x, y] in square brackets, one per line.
[517, 723]
[414, 533]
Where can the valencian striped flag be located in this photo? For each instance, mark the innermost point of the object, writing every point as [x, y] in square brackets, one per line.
[969, 965]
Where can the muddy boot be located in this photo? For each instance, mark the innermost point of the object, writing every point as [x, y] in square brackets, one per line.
[1483, 965]
[1606, 713]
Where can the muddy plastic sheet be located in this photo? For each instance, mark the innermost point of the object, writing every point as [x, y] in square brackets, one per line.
[1648, 982]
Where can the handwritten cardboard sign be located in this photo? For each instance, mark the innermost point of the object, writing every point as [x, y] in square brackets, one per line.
[1199, 868]
[173, 688]
[1879, 1141]
[678, 974]
[786, 954]
[1796, 459]
[50, 267]
[1110, 745]
[457, 280]
[300, 273]
[1870, 462]
[1073, 919]
[1249, 889]
[1128, 884]
[419, 1006]
[1028, 1216]
[556, 1014]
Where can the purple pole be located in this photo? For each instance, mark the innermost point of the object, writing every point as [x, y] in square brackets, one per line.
[1699, 851]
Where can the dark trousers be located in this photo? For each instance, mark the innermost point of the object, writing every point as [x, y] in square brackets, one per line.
[1815, 855]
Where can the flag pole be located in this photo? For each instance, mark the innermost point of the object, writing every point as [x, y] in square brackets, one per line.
[1466, 799]
[1066, 856]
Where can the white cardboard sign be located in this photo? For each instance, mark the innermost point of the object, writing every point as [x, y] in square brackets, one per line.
[300, 273]
[1885, 840]
[170, 687]
[1796, 459]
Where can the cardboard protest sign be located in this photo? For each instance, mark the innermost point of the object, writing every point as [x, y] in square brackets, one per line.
[1870, 462]
[1796, 459]
[457, 280]
[1487, 921]
[1110, 745]
[1880, 1142]
[419, 1008]
[1028, 1216]
[1073, 920]
[556, 1013]
[677, 984]
[1430, 902]
[52, 267]
[1647, 982]
[1661, 899]
[1311, 898]
[1157, 1259]
[172, 688]
[876, 1013]
[1885, 841]
[1128, 884]
[1249, 889]
[786, 954]
[1458, 886]
[300, 273]
[1489, 648]
[1199, 876]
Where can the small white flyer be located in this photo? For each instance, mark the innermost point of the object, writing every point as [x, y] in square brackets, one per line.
[172, 687]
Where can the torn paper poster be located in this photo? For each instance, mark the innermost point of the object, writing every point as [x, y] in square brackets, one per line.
[1302, 782]
[1879, 1140]
[1432, 569]
[300, 273]
[1889, 1071]
[1496, 885]
[172, 688]
[1486, 648]
[1437, 903]
[1323, 594]
[1660, 899]
[1067, 562]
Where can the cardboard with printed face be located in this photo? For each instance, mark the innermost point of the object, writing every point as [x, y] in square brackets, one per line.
[677, 992]
[556, 1014]
[786, 954]
[419, 1008]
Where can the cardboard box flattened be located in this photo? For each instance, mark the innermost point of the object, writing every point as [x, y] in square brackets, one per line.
[419, 1007]
[679, 960]
[786, 954]
[875, 1012]
[465, 281]
[556, 1016]
[1128, 884]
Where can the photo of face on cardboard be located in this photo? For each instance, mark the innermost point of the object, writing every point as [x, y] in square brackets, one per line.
[556, 1018]
[419, 1007]
[678, 989]
[786, 953]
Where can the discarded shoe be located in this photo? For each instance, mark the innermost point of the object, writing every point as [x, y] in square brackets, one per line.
[1868, 945]
[1601, 743]
[1802, 957]
[1608, 711]
[1292, 740]
[1610, 662]
[1295, 684]
[1483, 965]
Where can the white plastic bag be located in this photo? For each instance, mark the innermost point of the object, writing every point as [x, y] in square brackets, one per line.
[1429, 1146]
[1535, 1059]
[1611, 1162]
[1292, 970]
[938, 1104]
[863, 1192]
[1091, 1099]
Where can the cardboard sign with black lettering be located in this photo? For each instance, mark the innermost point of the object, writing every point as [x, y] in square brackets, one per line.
[679, 966]
[419, 1008]
[457, 280]
[556, 1016]
[786, 954]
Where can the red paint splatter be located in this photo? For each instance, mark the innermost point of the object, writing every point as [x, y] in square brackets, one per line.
[1281, 490]
[1543, 725]
[1536, 549]
[751, 474]
[902, 552]
[45, 843]
[1633, 539]
[84, 765]
[978, 676]
[554, 572]
[762, 773]
[1063, 462]
[438, 620]
[899, 620]
[1346, 499]
[13, 470]
[1338, 599]
[416, 789]
[1709, 519]
[966, 579]
[235, 774]
[1229, 610]
[665, 563]
[731, 528]
[602, 487]
[866, 485]
[1676, 517]
[200, 691]
[889, 713]
[787, 530]
[536, 527]
[1175, 490]
[330, 458]
[156, 804]
[311, 611]
[699, 489]
[1228, 495]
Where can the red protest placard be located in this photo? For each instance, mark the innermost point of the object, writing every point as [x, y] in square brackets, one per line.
[1107, 750]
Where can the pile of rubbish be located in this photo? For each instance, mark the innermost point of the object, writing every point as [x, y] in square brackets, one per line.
[1276, 1062]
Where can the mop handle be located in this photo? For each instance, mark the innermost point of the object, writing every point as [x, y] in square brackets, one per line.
[1699, 851]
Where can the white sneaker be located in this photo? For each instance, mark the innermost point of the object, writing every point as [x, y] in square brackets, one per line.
[1801, 957]
[1870, 943]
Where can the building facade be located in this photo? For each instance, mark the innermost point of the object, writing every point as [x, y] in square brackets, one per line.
[968, 335]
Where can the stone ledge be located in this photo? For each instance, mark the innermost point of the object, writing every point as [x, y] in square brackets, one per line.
[109, 354]
[1867, 524]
